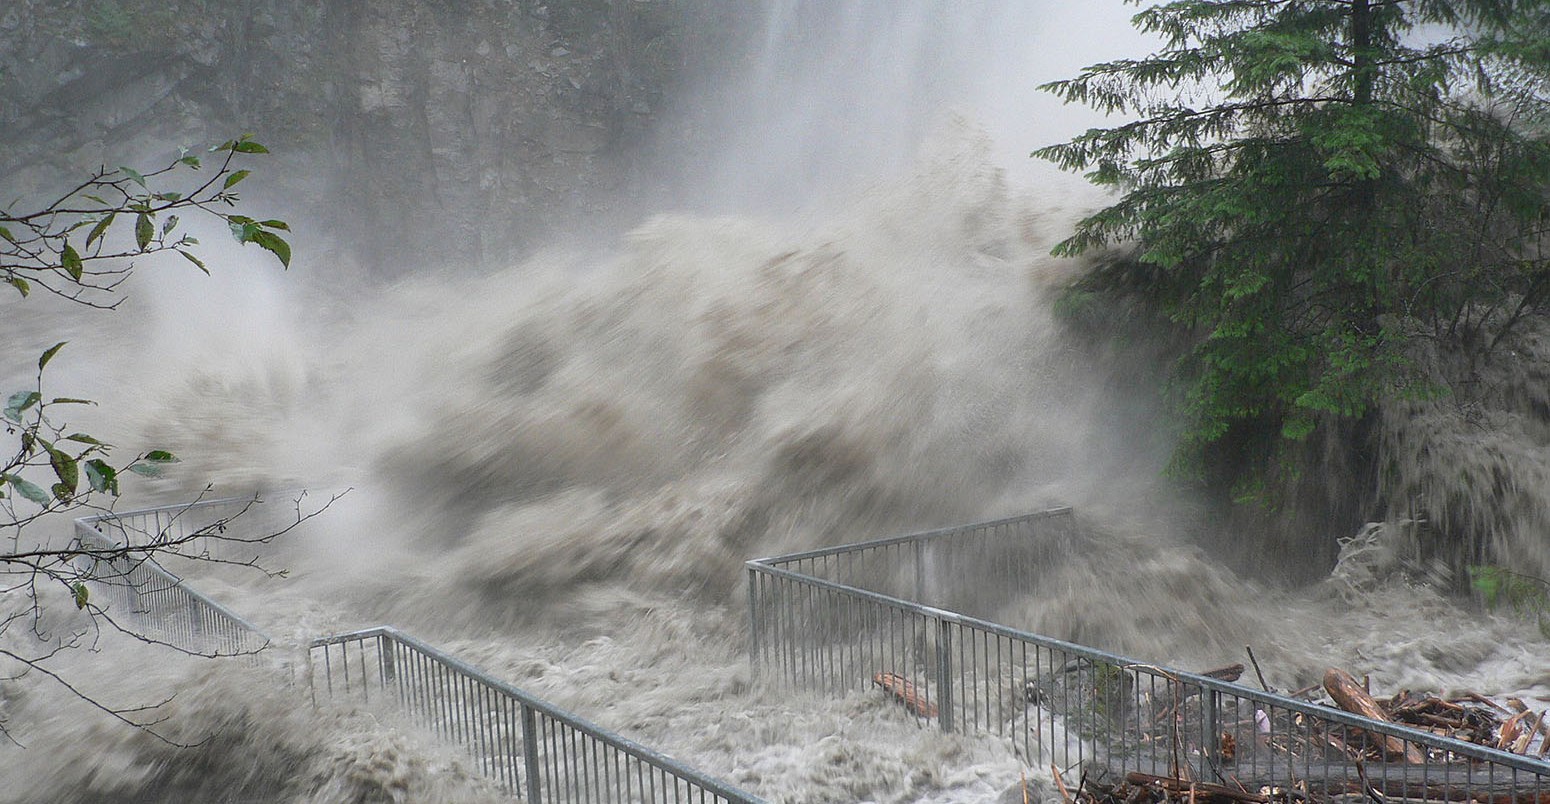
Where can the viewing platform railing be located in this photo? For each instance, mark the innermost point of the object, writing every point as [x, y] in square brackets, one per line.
[117, 558]
[887, 613]
[533, 749]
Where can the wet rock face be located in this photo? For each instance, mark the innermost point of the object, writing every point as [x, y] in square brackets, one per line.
[458, 129]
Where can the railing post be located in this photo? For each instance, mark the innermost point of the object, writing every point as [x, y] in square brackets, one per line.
[944, 668]
[920, 573]
[195, 625]
[530, 751]
[389, 660]
[312, 683]
[1211, 746]
[754, 634]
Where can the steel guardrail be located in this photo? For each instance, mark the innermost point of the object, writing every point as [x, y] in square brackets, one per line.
[529, 746]
[1081, 709]
[126, 569]
[533, 748]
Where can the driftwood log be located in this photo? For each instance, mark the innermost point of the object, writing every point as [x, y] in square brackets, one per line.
[1340, 782]
[905, 692]
[1356, 700]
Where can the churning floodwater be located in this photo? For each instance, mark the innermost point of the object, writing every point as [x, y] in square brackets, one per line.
[844, 330]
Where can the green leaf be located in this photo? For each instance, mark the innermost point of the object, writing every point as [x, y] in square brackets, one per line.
[70, 260]
[21, 285]
[273, 224]
[134, 175]
[168, 225]
[243, 231]
[236, 177]
[66, 469]
[70, 400]
[82, 596]
[151, 464]
[19, 403]
[49, 355]
[6, 233]
[246, 146]
[100, 229]
[274, 244]
[101, 476]
[168, 197]
[144, 231]
[27, 489]
[195, 260]
[1487, 580]
[82, 438]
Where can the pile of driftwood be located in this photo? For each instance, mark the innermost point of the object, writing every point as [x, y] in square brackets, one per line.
[1355, 765]
[1470, 717]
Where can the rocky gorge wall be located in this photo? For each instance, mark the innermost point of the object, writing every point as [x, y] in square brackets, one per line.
[408, 130]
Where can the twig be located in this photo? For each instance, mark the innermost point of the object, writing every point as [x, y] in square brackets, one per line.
[1255, 662]
[1194, 788]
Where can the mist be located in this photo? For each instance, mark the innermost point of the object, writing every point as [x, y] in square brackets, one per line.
[580, 344]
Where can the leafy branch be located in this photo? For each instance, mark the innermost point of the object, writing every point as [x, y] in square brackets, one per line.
[80, 246]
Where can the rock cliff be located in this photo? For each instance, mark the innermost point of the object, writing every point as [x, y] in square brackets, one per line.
[409, 130]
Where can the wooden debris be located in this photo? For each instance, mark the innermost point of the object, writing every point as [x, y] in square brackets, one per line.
[1194, 789]
[1353, 698]
[1340, 763]
[1229, 673]
[905, 692]
[1480, 699]
[1060, 781]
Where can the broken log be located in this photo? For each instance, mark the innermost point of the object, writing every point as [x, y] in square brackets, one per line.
[1322, 782]
[1194, 789]
[1354, 699]
[905, 692]
[1229, 673]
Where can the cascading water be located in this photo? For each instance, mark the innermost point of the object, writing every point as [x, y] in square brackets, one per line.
[560, 466]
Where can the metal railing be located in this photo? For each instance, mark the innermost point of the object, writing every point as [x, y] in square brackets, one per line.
[116, 558]
[532, 748]
[838, 620]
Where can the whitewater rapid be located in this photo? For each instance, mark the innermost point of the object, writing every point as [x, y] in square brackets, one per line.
[558, 470]
[846, 328]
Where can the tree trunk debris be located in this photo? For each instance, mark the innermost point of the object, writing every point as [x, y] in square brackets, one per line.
[1341, 763]
[1353, 698]
[905, 692]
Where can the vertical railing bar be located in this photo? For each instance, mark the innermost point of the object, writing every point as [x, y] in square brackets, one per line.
[754, 633]
[944, 673]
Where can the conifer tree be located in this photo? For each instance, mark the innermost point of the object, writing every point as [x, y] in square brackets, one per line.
[1308, 185]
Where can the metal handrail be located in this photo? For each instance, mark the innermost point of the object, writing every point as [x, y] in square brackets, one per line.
[490, 743]
[152, 588]
[169, 603]
[806, 627]
[923, 536]
[1460, 747]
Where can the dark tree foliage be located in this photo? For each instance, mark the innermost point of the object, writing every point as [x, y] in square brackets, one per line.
[1311, 184]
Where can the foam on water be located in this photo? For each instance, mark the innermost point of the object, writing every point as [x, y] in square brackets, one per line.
[560, 466]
